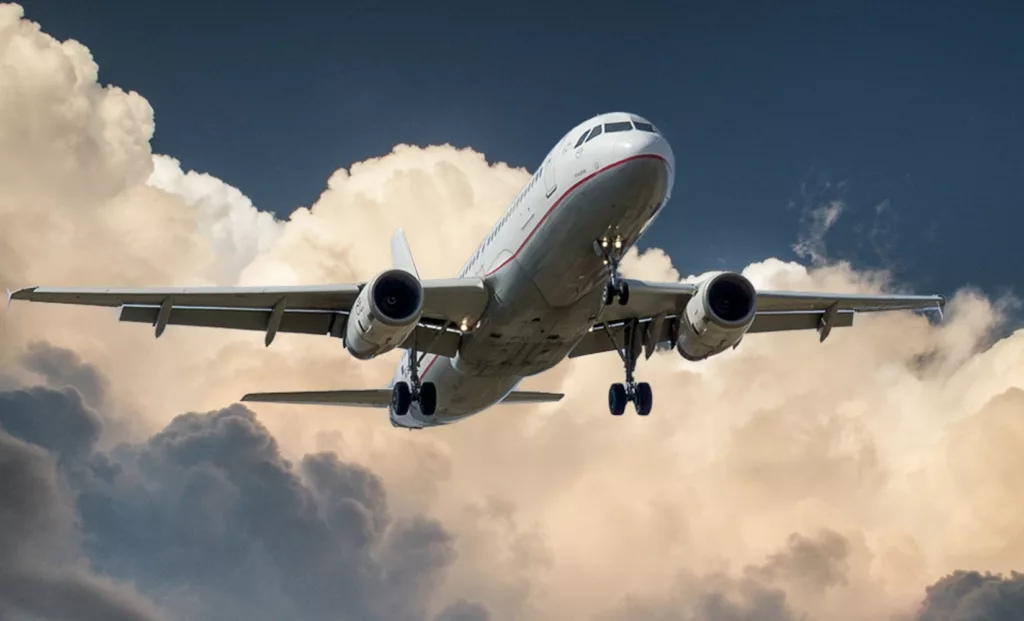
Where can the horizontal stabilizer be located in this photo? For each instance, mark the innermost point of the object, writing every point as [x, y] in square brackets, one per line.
[374, 398]
[526, 396]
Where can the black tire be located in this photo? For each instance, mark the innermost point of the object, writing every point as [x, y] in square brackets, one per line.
[623, 293]
[428, 398]
[617, 399]
[644, 399]
[609, 295]
[401, 398]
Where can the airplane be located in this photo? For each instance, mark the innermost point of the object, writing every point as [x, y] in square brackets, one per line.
[543, 286]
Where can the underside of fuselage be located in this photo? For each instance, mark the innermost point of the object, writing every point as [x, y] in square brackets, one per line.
[550, 291]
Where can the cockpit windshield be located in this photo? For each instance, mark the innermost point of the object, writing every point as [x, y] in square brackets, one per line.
[617, 126]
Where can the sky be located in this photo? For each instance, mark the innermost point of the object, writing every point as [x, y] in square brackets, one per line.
[875, 476]
[908, 113]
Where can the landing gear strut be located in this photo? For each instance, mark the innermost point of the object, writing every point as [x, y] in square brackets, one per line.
[404, 394]
[631, 391]
[611, 252]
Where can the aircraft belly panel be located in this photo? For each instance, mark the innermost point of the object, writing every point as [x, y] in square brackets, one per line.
[561, 259]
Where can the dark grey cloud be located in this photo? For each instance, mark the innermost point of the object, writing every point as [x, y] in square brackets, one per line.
[816, 562]
[57, 420]
[209, 507]
[759, 594]
[42, 576]
[972, 596]
[206, 517]
[711, 598]
[464, 611]
[64, 368]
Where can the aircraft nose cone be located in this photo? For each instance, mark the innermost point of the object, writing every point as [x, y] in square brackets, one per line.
[638, 144]
[644, 143]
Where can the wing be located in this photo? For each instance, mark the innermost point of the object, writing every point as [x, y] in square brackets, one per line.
[302, 309]
[374, 398]
[656, 308]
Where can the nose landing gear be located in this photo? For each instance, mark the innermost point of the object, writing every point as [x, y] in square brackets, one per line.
[611, 251]
[631, 391]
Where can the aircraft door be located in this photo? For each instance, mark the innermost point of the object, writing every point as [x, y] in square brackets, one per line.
[550, 181]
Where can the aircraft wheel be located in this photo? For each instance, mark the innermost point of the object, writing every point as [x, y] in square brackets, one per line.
[428, 398]
[623, 293]
[644, 399]
[617, 399]
[401, 397]
[609, 295]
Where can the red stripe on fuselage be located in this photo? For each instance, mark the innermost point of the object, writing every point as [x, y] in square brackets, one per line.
[550, 210]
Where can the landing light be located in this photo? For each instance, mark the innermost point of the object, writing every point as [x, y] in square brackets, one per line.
[464, 325]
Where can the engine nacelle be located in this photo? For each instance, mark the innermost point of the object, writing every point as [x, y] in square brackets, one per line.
[717, 316]
[384, 314]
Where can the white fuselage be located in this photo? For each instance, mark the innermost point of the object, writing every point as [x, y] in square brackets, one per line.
[546, 280]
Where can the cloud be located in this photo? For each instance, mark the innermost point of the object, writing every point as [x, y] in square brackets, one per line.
[42, 575]
[972, 596]
[787, 479]
[206, 517]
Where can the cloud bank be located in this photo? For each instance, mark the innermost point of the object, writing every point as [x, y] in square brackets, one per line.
[871, 477]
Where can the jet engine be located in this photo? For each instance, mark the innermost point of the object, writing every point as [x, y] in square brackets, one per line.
[384, 314]
[717, 316]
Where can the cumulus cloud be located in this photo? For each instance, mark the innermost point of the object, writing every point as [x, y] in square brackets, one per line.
[42, 573]
[973, 595]
[784, 480]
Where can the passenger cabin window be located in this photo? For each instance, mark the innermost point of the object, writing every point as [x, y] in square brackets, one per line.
[594, 133]
[621, 126]
[644, 127]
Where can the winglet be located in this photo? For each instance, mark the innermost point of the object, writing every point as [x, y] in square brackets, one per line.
[20, 294]
[401, 256]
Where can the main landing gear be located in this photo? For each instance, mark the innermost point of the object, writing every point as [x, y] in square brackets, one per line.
[403, 394]
[631, 391]
[611, 251]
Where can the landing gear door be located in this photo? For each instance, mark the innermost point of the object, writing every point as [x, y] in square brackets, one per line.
[550, 182]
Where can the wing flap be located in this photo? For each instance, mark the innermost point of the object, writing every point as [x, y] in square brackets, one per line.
[786, 321]
[429, 340]
[303, 322]
[528, 396]
[372, 398]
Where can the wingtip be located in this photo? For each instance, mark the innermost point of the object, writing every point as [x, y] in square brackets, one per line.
[20, 294]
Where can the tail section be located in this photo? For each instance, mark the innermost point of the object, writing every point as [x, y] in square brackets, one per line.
[401, 256]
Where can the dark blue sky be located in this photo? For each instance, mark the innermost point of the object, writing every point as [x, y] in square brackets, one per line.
[918, 105]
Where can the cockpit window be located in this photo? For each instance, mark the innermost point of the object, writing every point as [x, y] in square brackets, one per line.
[582, 138]
[645, 127]
[594, 133]
[621, 126]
